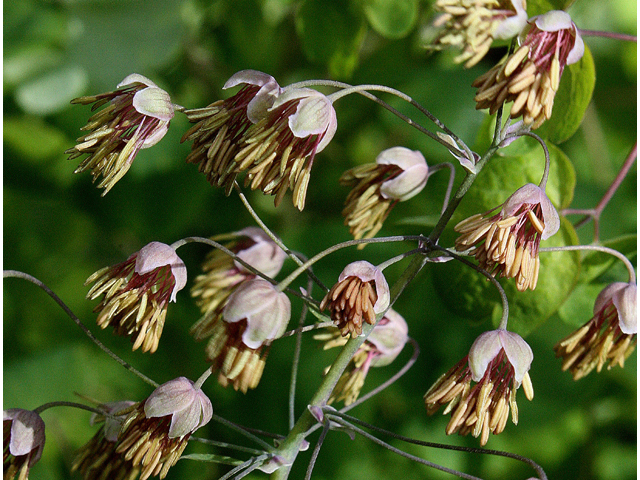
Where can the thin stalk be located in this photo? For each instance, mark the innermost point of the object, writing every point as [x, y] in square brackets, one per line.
[397, 451]
[612, 35]
[243, 431]
[597, 248]
[80, 406]
[482, 451]
[316, 451]
[452, 177]
[398, 258]
[230, 446]
[87, 332]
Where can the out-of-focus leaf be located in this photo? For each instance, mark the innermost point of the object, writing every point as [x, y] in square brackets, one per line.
[391, 18]
[331, 34]
[596, 263]
[422, 221]
[23, 63]
[572, 99]
[20, 134]
[210, 457]
[53, 91]
[538, 7]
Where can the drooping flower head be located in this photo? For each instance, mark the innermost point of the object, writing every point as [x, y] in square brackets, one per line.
[472, 26]
[255, 315]
[98, 459]
[137, 293]
[222, 273]
[278, 151]
[498, 363]
[609, 337]
[530, 77]
[507, 243]
[382, 346]
[23, 432]
[137, 116]
[220, 126]
[360, 295]
[156, 432]
[397, 175]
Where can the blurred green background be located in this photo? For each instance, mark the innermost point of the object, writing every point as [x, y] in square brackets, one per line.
[59, 229]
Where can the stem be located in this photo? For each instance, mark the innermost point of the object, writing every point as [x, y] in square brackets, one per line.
[547, 160]
[598, 248]
[297, 272]
[243, 431]
[398, 258]
[230, 446]
[612, 35]
[452, 177]
[316, 451]
[67, 310]
[482, 451]
[393, 449]
[390, 381]
[202, 379]
[80, 406]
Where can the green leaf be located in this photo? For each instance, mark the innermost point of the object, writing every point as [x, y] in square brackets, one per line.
[24, 63]
[596, 263]
[572, 100]
[19, 133]
[579, 306]
[538, 7]
[52, 92]
[392, 19]
[331, 34]
[420, 221]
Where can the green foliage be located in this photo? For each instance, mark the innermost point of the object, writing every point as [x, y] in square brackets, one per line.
[392, 19]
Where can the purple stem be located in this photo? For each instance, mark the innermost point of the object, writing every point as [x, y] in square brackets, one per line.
[615, 36]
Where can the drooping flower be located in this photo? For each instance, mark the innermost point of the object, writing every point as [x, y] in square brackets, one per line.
[471, 26]
[360, 295]
[137, 293]
[397, 175]
[222, 274]
[156, 432]
[498, 363]
[255, 315]
[609, 337]
[220, 126]
[382, 346]
[278, 151]
[23, 432]
[137, 116]
[507, 243]
[530, 76]
[98, 459]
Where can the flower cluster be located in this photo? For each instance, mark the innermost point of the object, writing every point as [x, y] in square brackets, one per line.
[610, 335]
[152, 436]
[499, 363]
[507, 243]
[382, 346]
[397, 175]
[272, 134]
[530, 76]
[137, 293]
[137, 116]
[473, 25]
[360, 295]
[23, 433]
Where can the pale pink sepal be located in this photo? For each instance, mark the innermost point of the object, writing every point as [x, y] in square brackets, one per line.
[157, 255]
[413, 177]
[27, 433]
[533, 194]
[367, 272]
[487, 346]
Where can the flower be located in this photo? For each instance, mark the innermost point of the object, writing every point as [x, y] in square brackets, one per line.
[472, 26]
[382, 346]
[156, 432]
[498, 363]
[397, 175]
[507, 242]
[361, 293]
[256, 313]
[222, 273]
[278, 151]
[137, 292]
[530, 76]
[610, 335]
[98, 458]
[220, 126]
[23, 442]
[137, 117]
